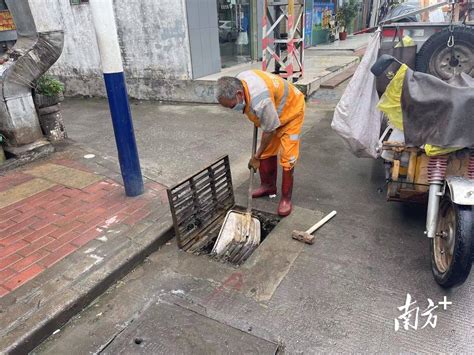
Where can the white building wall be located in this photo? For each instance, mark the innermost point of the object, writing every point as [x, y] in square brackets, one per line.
[154, 42]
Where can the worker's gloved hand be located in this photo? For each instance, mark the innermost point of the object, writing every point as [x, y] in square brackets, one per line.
[254, 163]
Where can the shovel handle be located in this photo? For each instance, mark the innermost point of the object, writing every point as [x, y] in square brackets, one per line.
[252, 171]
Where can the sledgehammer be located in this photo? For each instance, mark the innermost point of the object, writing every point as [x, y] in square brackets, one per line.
[307, 236]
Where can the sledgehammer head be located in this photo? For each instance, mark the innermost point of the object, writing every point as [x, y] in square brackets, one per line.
[303, 237]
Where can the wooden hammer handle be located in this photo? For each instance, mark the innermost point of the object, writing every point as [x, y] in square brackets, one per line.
[321, 223]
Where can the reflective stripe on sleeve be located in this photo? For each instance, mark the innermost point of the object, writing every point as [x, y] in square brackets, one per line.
[256, 100]
[281, 106]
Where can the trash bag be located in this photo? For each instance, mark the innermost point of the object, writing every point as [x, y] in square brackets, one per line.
[356, 118]
[390, 104]
[404, 51]
[432, 150]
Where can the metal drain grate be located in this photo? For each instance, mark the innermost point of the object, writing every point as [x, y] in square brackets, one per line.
[200, 200]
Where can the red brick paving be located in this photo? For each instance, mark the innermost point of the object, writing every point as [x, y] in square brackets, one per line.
[13, 179]
[20, 278]
[39, 231]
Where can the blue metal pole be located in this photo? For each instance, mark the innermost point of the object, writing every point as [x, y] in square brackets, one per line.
[106, 32]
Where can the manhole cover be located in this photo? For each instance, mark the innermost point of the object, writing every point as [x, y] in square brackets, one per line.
[172, 329]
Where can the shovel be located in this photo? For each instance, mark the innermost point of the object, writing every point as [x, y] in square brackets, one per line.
[240, 232]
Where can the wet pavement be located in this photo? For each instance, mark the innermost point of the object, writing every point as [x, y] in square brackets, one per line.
[339, 295]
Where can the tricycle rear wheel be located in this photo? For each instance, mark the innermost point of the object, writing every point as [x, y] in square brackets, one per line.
[452, 248]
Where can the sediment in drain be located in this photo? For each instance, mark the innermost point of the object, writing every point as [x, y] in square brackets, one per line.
[268, 221]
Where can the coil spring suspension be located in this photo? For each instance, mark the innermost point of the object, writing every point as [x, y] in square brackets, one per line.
[470, 169]
[437, 167]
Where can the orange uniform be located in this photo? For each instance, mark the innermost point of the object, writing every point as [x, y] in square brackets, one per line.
[272, 103]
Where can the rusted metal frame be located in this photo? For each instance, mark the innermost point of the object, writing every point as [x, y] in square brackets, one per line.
[221, 190]
[201, 189]
[198, 220]
[221, 160]
[185, 214]
[204, 212]
[175, 221]
[195, 178]
[202, 222]
[191, 234]
[197, 243]
[207, 182]
[196, 203]
[191, 241]
[193, 212]
[231, 185]
[204, 199]
[204, 238]
[209, 189]
[185, 200]
[206, 190]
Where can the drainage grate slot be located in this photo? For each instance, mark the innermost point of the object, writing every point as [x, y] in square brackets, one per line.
[198, 201]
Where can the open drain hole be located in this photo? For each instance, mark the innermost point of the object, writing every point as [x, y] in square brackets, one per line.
[138, 341]
[198, 207]
[208, 237]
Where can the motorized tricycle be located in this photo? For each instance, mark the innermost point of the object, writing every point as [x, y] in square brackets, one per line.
[441, 177]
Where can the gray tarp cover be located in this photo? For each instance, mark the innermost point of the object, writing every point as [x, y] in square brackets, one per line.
[436, 112]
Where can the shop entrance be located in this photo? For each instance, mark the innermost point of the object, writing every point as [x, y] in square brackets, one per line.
[234, 31]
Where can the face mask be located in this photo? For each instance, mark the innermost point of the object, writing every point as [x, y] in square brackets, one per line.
[239, 107]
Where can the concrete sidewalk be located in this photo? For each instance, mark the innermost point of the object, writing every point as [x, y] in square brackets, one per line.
[67, 231]
[321, 63]
[318, 69]
[351, 45]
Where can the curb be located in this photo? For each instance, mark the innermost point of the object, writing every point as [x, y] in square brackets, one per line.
[26, 332]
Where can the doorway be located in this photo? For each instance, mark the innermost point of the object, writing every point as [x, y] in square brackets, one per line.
[235, 18]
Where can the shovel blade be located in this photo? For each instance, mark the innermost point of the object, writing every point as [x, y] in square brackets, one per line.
[238, 228]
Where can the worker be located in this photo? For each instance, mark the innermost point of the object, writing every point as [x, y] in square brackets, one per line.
[277, 107]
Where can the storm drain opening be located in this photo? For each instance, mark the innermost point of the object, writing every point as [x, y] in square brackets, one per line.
[209, 236]
[199, 205]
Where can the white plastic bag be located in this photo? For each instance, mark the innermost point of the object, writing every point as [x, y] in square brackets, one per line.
[356, 118]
